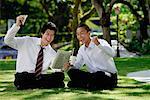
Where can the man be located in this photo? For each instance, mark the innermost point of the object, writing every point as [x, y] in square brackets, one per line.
[98, 55]
[34, 57]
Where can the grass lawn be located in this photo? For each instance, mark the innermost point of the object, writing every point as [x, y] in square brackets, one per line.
[127, 89]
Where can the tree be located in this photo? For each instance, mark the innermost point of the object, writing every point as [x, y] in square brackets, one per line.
[9, 6]
[56, 11]
[75, 23]
[104, 8]
[79, 18]
[141, 5]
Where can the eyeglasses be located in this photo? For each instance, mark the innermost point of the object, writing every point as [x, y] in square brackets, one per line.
[52, 24]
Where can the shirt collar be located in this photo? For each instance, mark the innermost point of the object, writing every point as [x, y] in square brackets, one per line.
[38, 42]
[91, 45]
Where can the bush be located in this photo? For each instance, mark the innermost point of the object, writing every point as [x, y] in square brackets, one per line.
[134, 45]
[146, 47]
[137, 46]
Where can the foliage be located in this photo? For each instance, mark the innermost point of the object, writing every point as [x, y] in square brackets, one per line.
[146, 47]
[67, 48]
[57, 12]
[135, 45]
[138, 46]
[140, 10]
[32, 8]
[137, 8]
[61, 11]
[127, 21]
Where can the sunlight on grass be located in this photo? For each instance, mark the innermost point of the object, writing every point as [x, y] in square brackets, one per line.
[7, 75]
[128, 89]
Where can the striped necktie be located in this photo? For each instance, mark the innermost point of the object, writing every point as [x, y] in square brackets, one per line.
[39, 63]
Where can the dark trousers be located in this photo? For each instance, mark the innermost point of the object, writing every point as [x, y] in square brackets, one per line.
[27, 80]
[98, 80]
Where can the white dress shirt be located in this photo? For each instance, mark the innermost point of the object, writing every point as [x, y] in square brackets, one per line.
[96, 58]
[28, 49]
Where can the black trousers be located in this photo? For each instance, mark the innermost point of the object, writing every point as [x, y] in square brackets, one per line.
[27, 80]
[98, 80]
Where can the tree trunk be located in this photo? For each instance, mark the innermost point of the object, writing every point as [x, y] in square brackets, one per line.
[143, 30]
[74, 26]
[105, 23]
[106, 34]
[104, 19]
[144, 21]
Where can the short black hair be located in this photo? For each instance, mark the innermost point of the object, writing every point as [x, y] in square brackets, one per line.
[49, 25]
[84, 26]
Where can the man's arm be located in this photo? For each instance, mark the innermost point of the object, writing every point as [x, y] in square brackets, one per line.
[103, 45]
[77, 63]
[10, 36]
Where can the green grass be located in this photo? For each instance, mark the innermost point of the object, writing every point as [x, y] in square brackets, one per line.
[127, 89]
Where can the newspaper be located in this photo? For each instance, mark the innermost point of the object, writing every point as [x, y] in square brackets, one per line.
[61, 58]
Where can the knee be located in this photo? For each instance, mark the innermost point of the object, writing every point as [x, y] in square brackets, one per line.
[19, 85]
[72, 72]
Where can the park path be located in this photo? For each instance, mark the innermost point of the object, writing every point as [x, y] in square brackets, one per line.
[141, 76]
[123, 51]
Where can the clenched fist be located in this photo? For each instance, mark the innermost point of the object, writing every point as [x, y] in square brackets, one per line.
[20, 20]
[95, 40]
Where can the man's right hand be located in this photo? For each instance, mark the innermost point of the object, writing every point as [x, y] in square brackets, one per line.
[20, 20]
[66, 66]
[69, 64]
[72, 60]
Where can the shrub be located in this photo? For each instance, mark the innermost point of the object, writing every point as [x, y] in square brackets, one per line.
[137, 46]
[146, 47]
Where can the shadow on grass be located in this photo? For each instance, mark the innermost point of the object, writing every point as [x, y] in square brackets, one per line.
[8, 89]
[76, 94]
[138, 93]
[146, 87]
[127, 83]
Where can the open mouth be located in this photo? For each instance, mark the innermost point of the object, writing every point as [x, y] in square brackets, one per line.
[48, 41]
[81, 41]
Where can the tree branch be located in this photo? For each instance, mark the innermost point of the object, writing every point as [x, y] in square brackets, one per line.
[45, 7]
[88, 14]
[98, 4]
[109, 8]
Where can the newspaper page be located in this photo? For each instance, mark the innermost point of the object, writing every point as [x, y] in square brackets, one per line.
[61, 58]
